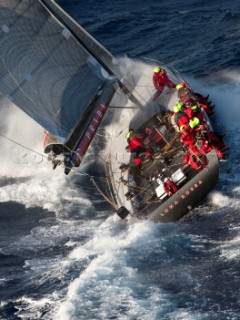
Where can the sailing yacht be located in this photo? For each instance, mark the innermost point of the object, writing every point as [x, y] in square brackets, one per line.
[66, 81]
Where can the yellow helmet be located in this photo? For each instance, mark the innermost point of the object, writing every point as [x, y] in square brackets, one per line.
[194, 122]
[194, 107]
[157, 69]
[129, 133]
[180, 86]
[178, 106]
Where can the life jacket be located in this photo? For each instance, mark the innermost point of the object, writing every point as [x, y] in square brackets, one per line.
[196, 161]
[192, 111]
[160, 80]
[183, 120]
[183, 92]
[137, 161]
[186, 129]
[187, 139]
[189, 112]
[170, 187]
[133, 143]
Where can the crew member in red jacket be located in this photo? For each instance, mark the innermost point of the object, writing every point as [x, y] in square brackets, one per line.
[187, 136]
[196, 158]
[187, 95]
[209, 140]
[160, 79]
[136, 146]
[169, 186]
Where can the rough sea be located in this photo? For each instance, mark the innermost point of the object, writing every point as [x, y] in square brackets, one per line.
[64, 255]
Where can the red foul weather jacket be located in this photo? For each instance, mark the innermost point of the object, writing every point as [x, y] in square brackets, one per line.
[134, 142]
[160, 80]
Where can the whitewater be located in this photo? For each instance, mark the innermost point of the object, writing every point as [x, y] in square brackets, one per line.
[65, 255]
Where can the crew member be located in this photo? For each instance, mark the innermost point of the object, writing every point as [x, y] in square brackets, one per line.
[160, 79]
[196, 158]
[179, 117]
[192, 110]
[187, 95]
[153, 136]
[135, 146]
[169, 186]
[209, 140]
[187, 136]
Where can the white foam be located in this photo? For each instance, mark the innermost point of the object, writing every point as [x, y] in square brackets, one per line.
[29, 308]
[109, 282]
[230, 248]
[219, 199]
[224, 95]
[29, 177]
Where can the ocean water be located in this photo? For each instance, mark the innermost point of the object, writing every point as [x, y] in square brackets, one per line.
[64, 255]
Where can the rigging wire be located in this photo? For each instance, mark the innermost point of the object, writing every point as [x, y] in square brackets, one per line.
[44, 156]
[21, 145]
[114, 205]
[91, 178]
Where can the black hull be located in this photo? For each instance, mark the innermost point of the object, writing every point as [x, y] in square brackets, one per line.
[179, 204]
